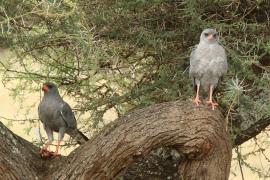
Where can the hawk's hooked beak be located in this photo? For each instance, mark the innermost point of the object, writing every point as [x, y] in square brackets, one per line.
[45, 88]
[210, 36]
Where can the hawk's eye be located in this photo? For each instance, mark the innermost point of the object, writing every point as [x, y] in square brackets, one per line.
[49, 86]
[206, 34]
[215, 35]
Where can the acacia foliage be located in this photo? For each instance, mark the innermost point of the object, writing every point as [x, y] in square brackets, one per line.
[122, 55]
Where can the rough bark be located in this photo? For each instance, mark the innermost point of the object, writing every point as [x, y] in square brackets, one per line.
[198, 134]
[18, 158]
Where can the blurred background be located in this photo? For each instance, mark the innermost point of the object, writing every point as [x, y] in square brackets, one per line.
[112, 57]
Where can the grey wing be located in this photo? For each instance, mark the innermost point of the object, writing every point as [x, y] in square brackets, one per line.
[194, 69]
[68, 116]
[194, 61]
[220, 64]
[39, 114]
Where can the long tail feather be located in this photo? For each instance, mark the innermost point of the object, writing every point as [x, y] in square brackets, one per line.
[79, 137]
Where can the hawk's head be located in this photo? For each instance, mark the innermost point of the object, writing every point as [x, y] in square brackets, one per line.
[209, 36]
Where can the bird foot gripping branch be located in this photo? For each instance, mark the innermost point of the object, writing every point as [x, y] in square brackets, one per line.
[212, 104]
[196, 101]
[46, 154]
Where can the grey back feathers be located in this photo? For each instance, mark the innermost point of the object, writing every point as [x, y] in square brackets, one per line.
[56, 115]
[208, 60]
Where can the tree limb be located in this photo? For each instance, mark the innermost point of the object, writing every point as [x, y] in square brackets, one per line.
[252, 131]
[198, 134]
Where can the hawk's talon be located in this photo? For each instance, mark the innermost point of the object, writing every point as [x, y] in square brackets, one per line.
[212, 104]
[55, 154]
[46, 154]
[197, 101]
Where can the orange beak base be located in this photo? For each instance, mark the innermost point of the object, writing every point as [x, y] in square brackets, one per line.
[210, 37]
[45, 88]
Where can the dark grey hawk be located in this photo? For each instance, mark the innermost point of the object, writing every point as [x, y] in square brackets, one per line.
[57, 116]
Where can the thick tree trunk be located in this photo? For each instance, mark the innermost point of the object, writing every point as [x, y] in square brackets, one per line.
[198, 134]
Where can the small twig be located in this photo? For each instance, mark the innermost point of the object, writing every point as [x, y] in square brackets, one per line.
[22, 120]
[239, 163]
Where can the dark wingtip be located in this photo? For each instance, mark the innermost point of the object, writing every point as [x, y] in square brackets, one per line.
[83, 136]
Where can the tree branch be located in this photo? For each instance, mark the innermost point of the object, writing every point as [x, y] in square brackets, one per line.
[252, 131]
[198, 134]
